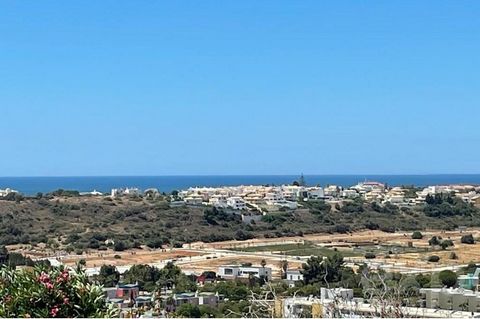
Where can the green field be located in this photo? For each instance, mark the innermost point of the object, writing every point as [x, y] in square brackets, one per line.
[307, 249]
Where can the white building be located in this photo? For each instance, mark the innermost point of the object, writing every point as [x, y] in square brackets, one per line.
[236, 203]
[457, 299]
[332, 191]
[349, 193]
[219, 201]
[233, 272]
[277, 199]
[92, 193]
[193, 200]
[6, 191]
[124, 191]
[315, 192]
[293, 276]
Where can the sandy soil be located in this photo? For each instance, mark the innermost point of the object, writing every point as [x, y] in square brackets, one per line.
[199, 257]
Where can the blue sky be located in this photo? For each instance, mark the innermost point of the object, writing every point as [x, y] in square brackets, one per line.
[239, 87]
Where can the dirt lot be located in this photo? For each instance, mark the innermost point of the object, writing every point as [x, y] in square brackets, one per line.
[198, 257]
[128, 257]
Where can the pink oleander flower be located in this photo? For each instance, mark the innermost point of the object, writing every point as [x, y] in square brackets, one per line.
[64, 275]
[44, 277]
[54, 311]
[66, 301]
[49, 285]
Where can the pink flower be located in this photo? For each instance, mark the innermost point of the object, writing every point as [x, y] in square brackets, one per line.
[66, 301]
[44, 277]
[54, 311]
[49, 285]
[64, 275]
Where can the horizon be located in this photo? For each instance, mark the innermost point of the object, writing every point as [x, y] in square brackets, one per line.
[45, 184]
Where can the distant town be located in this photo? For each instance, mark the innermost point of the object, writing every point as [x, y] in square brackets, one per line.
[265, 198]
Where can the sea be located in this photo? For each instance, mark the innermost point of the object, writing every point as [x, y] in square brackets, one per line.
[34, 185]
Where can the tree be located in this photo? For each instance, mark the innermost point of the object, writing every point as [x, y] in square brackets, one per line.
[3, 255]
[446, 243]
[323, 270]
[241, 235]
[51, 292]
[417, 235]
[467, 239]
[434, 241]
[284, 268]
[145, 275]
[448, 278]
[263, 263]
[187, 310]
[119, 246]
[108, 276]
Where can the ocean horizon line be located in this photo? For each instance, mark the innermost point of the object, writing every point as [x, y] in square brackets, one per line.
[44, 184]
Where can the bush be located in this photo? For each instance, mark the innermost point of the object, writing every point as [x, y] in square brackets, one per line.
[453, 255]
[119, 246]
[241, 235]
[370, 256]
[446, 243]
[467, 239]
[417, 235]
[434, 241]
[55, 291]
[448, 278]
[387, 229]
[433, 259]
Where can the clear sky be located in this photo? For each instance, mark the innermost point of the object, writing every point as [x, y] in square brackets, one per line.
[239, 87]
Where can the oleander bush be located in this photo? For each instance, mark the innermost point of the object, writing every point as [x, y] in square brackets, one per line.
[50, 292]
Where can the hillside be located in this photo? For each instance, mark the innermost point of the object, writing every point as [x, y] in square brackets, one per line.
[78, 223]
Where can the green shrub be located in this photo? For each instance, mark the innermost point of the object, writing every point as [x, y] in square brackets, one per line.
[51, 293]
[119, 246]
[448, 278]
[467, 239]
[433, 259]
[417, 235]
[370, 256]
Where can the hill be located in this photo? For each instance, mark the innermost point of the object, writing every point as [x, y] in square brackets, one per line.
[79, 223]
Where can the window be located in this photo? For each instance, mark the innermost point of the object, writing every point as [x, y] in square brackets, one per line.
[228, 271]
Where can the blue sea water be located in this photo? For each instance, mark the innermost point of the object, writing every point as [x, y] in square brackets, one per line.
[32, 185]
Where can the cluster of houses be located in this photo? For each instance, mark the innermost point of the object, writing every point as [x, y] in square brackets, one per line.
[261, 198]
[267, 198]
[460, 302]
[131, 300]
[270, 198]
[341, 303]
